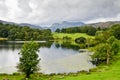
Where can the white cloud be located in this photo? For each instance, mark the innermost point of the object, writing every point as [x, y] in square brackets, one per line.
[3, 9]
[50, 11]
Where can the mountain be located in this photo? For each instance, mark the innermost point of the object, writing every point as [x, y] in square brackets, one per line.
[21, 24]
[65, 24]
[30, 25]
[103, 24]
[5, 22]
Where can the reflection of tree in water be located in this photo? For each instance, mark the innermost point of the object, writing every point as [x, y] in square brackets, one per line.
[46, 44]
[57, 45]
[70, 46]
[13, 45]
[6, 45]
[67, 45]
[64, 45]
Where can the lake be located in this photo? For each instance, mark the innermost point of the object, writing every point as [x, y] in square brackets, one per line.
[55, 57]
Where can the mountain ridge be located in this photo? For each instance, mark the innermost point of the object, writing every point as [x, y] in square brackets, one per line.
[65, 24]
[103, 24]
[21, 24]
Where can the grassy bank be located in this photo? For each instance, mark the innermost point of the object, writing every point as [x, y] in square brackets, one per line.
[102, 72]
[1, 39]
[73, 36]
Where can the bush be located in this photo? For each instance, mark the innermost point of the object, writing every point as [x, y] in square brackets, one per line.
[80, 40]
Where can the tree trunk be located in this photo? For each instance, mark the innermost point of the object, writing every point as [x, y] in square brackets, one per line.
[27, 75]
[108, 56]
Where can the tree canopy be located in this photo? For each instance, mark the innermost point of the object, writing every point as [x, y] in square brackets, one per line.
[14, 32]
[29, 59]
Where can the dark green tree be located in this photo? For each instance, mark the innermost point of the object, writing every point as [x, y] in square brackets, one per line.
[116, 31]
[80, 40]
[91, 30]
[29, 59]
[12, 34]
[57, 30]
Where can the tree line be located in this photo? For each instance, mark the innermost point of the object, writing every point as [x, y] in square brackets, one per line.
[90, 30]
[15, 32]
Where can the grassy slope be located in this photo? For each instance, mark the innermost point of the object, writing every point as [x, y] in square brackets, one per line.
[105, 73]
[59, 37]
[73, 35]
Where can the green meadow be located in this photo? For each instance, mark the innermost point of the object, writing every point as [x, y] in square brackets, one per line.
[73, 36]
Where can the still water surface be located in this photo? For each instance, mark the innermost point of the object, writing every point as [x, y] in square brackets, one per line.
[55, 58]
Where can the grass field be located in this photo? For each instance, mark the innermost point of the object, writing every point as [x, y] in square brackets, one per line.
[73, 36]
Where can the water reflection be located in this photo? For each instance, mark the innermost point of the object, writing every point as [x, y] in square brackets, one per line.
[55, 58]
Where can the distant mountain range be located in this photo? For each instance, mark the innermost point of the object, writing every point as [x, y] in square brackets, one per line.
[21, 24]
[66, 24]
[30, 25]
[6, 22]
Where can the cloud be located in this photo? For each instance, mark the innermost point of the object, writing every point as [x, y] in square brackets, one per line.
[50, 11]
[3, 8]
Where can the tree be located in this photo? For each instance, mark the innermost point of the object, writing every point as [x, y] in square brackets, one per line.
[89, 42]
[91, 30]
[80, 40]
[12, 34]
[106, 51]
[116, 31]
[100, 53]
[3, 32]
[102, 36]
[63, 30]
[57, 30]
[29, 59]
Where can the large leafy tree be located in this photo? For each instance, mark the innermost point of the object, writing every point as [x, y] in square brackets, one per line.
[29, 59]
[107, 50]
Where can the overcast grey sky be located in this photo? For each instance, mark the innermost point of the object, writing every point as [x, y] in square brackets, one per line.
[51, 11]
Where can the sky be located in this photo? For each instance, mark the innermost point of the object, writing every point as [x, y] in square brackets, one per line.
[46, 12]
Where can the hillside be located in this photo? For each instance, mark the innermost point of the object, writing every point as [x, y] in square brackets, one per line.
[103, 24]
[21, 24]
[72, 36]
